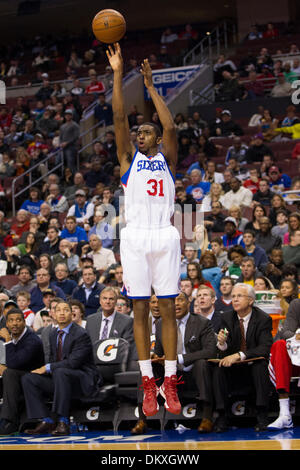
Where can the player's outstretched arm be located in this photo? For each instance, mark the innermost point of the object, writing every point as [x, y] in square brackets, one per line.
[169, 131]
[125, 148]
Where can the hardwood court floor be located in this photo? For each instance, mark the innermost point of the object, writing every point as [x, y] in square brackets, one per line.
[188, 440]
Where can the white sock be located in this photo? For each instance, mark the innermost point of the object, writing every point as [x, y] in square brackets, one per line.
[146, 368]
[284, 406]
[170, 368]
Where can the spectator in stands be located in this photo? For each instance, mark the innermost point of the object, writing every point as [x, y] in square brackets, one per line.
[291, 252]
[211, 175]
[102, 257]
[103, 111]
[68, 135]
[206, 299]
[25, 281]
[273, 270]
[253, 86]
[43, 286]
[96, 174]
[217, 248]
[252, 183]
[78, 312]
[185, 201]
[288, 291]
[89, 292]
[296, 66]
[95, 86]
[257, 149]
[7, 166]
[78, 183]
[264, 237]
[267, 78]
[52, 245]
[101, 228]
[214, 222]
[73, 232]
[281, 227]
[168, 36]
[278, 181]
[271, 31]
[277, 203]
[21, 224]
[293, 224]
[77, 88]
[63, 281]
[224, 302]
[254, 250]
[264, 194]
[164, 57]
[210, 270]
[75, 62]
[257, 344]
[23, 301]
[47, 125]
[221, 65]
[67, 256]
[34, 202]
[215, 194]
[264, 58]
[288, 73]
[237, 151]
[56, 200]
[237, 196]
[254, 33]
[231, 236]
[282, 88]
[229, 89]
[236, 213]
[249, 271]
[197, 188]
[227, 126]
[82, 209]
[44, 216]
[110, 146]
[45, 92]
[24, 352]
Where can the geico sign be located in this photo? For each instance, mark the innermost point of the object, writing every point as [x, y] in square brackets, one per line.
[171, 77]
[107, 351]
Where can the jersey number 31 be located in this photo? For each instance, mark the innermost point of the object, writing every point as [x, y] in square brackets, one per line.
[156, 187]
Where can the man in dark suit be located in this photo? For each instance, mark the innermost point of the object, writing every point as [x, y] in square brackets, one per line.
[70, 373]
[206, 298]
[23, 352]
[89, 292]
[246, 333]
[107, 323]
[196, 344]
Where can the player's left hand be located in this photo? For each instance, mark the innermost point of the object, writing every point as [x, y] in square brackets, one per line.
[146, 71]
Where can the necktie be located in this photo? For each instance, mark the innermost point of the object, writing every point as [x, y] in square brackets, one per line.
[105, 329]
[59, 345]
[243, 346]
[179, 343]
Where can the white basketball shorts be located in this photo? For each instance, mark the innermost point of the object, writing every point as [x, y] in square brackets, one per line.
[150, 258]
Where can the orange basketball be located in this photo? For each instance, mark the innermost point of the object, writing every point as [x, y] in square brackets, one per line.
[109, 26]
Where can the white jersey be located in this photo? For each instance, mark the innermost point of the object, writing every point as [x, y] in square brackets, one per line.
[149, 192]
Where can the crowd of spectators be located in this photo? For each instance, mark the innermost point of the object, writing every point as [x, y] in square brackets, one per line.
[64, 241]
[257, 73]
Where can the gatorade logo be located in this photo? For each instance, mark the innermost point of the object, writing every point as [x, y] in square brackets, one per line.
[189, 411]
[93, 413]
[108, 350]
[238, 408]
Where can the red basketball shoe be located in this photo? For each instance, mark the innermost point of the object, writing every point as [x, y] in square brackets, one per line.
[150, 405]
[168, 391]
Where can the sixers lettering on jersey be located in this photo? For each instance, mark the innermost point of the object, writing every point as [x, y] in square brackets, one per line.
[149, 192]
[156, 165]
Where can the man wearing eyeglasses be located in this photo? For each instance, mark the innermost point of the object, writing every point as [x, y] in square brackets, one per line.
[246, 333]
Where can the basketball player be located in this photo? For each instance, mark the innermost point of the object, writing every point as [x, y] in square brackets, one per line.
[150, 245]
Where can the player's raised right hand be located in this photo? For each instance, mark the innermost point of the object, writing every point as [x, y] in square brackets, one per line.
[114, 56]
